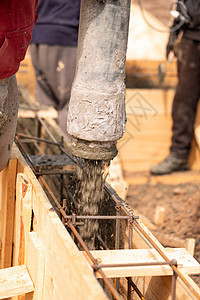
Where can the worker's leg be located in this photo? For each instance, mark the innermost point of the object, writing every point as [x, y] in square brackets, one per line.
[186, 98]
[43, 91]
[8, 117]
[55, 70]
[184, 109]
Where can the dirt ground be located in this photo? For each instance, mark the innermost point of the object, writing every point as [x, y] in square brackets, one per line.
[182, 210]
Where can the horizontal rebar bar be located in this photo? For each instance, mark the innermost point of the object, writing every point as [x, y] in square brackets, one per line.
[30, 137]
[49, 173]
[100, 217]
[143, 264]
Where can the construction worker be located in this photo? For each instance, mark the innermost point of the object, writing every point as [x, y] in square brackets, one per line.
[53, 52]
[188, 90]
[17, 19]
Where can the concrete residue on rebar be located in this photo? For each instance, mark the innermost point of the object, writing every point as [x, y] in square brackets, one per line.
[91, 178]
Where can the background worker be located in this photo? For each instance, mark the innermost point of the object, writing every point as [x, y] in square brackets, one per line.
[188, 90]
[17, 19]
[53, 53]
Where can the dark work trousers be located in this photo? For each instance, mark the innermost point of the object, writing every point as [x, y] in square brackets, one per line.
[186, 97]
[54, 70]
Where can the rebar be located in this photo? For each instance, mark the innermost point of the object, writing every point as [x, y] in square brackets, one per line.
[121, 208]
[71, 226]
[128, 289]
[56, 172]
[34, 138]
[127, 265]
[174, 277]
[135, 288]
[173, 266]
[100, 217]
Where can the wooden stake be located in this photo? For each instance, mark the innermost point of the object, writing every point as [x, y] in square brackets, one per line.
[159, 215]
[22, 218]
[35, 262]
[7, 207]
[190, 245]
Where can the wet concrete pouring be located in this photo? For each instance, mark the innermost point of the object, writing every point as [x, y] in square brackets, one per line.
[90, 194]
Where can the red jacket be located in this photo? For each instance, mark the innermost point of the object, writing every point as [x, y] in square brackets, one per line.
[17, 19]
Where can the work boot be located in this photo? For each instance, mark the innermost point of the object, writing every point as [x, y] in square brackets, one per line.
[169, 165]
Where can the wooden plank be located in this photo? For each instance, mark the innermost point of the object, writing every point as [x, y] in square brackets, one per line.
[26, 74]
[11, 190]
[137, 178]
[22, 218]
[144, 143]
[65, 269]
[15, 281]
[145, 220]
[168, 240]
[146, 64]
[139, 242]
[148, 130]
[186, 263]
[7, 204]
[171, 241]
[35, 263]
[115, 178]
[190, 245]
[149, 101]
[156, 287]
[44, 111]
[49, 112]
[180, 292]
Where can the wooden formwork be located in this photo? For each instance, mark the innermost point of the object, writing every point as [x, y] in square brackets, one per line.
[39, 258]
[38, 241]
